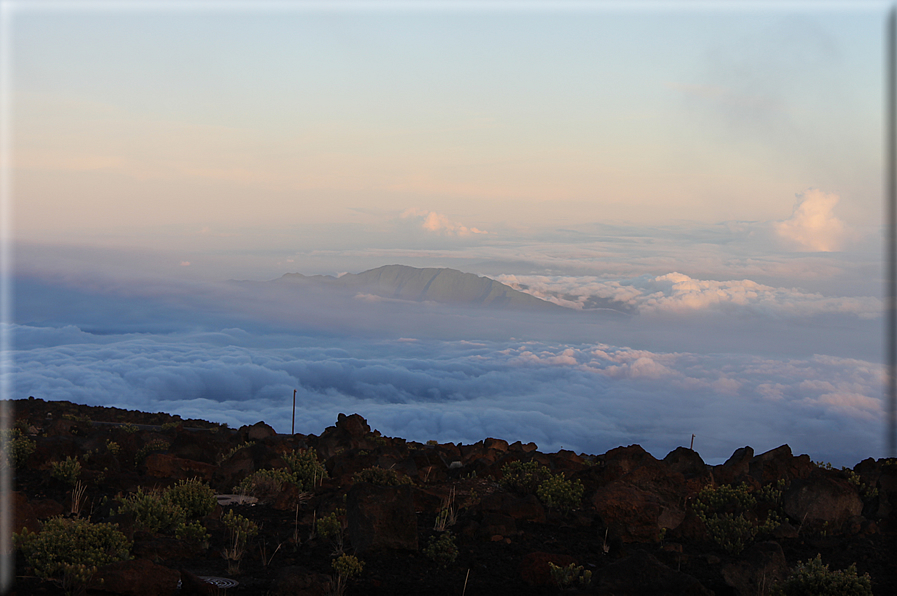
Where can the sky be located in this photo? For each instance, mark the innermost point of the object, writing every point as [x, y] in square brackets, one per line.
[712, 170]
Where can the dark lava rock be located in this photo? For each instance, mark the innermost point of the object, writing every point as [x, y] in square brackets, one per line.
[381, 517]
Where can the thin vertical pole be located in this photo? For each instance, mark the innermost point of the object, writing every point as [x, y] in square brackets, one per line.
[293, 426]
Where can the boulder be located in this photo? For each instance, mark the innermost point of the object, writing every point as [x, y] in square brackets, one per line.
[822, 499]
[165, 465]
[257, 432]
[641, 574]
[534, 567]
[354, 425]
[193, 585]
[735, 467]
[23, 514]
[622, 460]
[526, 508]
[758, 568]
[138, 577]
[634, 514]
[299, 581]
[381, 517]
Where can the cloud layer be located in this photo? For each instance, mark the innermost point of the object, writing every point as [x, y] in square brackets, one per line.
[679, 293]
[589, 398]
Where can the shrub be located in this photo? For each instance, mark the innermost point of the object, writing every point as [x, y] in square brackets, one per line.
[194, 496]
[193, 532]
[380, 477]
[346, 567]
[303, 469]
[523, 477]
[129, 428]
[67, 471]
[814, 579]
[556, 492]
[565, 577]
[113, 447]
[239, 530]
[265, 483]
[233, 451]
[442, 551]
[330, 526]
[307, 469]
[153, 512]
[69, 551]
[170, 426]
[15, 448]
[722, 510]
[151, 447]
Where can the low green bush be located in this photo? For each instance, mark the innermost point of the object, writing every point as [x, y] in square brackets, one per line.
[380, 477]
[152, 512]
[723, 509]
[814, 579]
[151, 447]
[69, 551]
[193, 531]
[67, 471]
[194, 496]
[15, 448]
[304, 469]
[556, 492]
[346, 567]
[523, 477]
[308, 471]
[571, 575]
[443, 551]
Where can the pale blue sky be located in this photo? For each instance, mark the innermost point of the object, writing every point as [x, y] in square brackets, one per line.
[127, 121]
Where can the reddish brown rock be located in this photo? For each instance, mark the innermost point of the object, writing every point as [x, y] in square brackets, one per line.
[193, 585]
[23, 514]
[47, 508]
[298, 581]
[738, 465]
[381, 517]
[497, 444]
[622, 460]
[641, 574]
[822, 499]
[526, 508]
[759, 567]
[354, 425]
[534, 567]
[257, 432]
[165, 465]
[138, 577]
[633, 514]
[520, 447]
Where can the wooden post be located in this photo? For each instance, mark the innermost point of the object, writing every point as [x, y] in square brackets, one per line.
[293, 426]
[692, 446]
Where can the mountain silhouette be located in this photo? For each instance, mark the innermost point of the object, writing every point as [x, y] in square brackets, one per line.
[442, 285]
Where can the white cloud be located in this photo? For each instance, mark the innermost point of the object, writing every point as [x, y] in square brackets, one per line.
[813, 225]
[585, 397]
[676, 293]
[438, 223]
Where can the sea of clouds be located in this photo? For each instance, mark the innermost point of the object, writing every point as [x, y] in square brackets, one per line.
[734, 363]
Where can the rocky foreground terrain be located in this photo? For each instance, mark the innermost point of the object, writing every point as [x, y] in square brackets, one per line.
[442, 518]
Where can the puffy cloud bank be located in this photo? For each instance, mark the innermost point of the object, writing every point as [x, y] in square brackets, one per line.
[585, 397]
[677, 293]
[432, 221]
[813, 226]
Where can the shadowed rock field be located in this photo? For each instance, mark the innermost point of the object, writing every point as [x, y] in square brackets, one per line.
[290, 511]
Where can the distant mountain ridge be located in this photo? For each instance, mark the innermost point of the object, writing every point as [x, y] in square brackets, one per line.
[442, 285]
